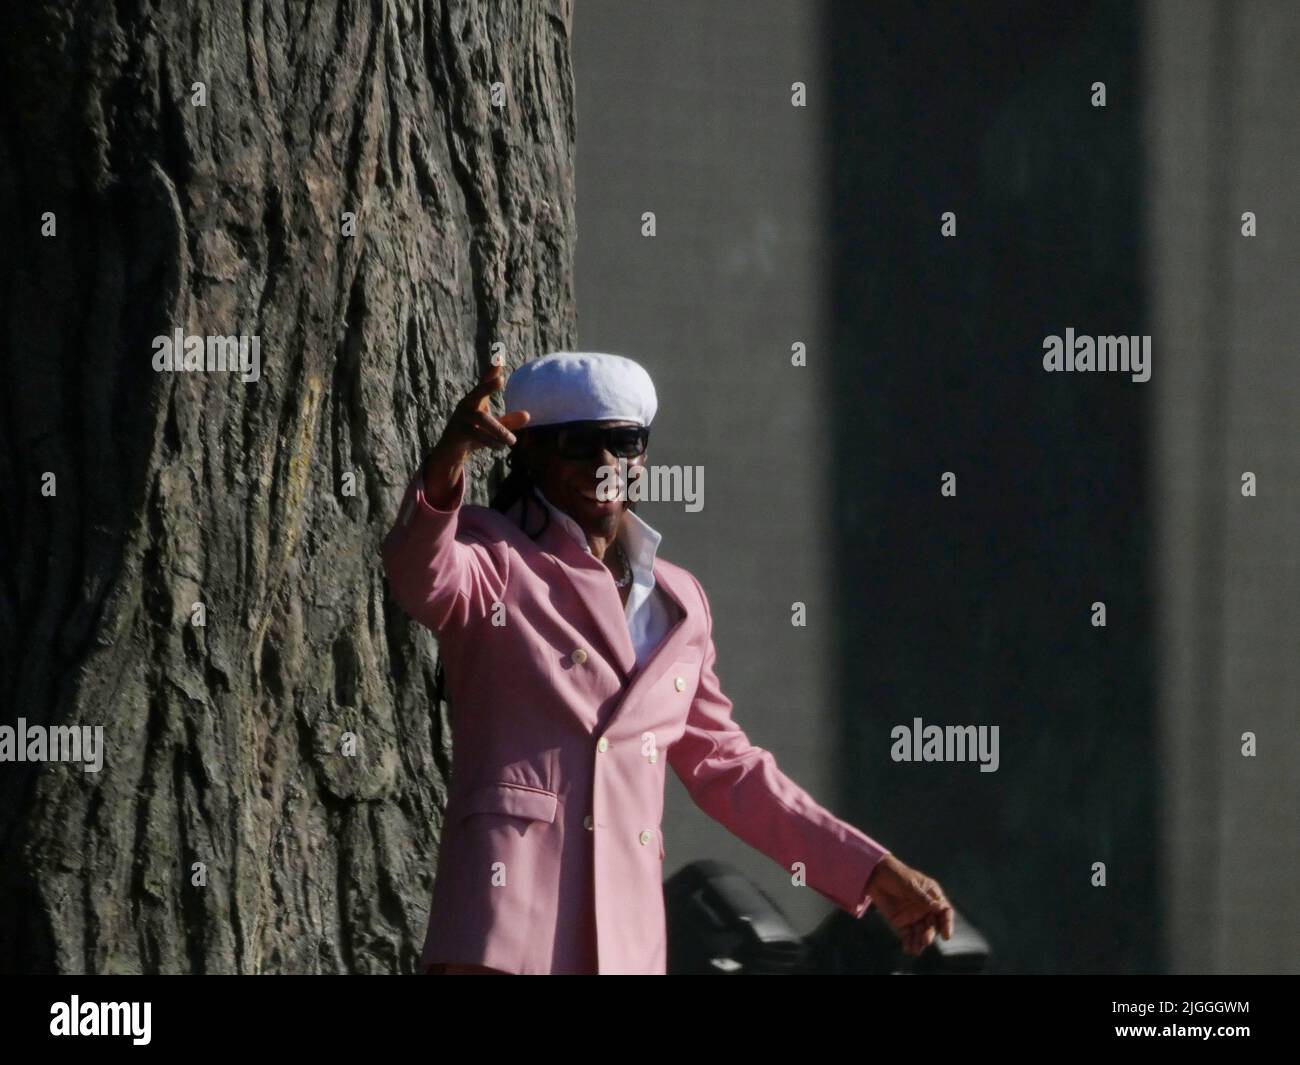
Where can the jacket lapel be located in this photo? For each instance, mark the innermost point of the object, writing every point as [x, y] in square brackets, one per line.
[670, 647]
[594, 587]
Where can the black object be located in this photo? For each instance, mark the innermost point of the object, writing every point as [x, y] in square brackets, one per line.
[721, 923]
[844, 945]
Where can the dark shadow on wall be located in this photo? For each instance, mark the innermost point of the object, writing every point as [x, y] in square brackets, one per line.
[978, 609]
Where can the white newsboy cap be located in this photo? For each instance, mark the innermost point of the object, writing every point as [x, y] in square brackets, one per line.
[581, 386]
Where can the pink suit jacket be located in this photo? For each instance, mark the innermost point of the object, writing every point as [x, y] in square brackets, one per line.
[551, 856]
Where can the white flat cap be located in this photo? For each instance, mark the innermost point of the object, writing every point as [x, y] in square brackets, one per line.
[581, 386]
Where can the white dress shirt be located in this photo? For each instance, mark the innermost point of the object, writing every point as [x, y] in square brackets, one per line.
[649, 612]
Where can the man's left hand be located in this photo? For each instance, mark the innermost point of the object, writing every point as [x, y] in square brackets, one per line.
[913, 904]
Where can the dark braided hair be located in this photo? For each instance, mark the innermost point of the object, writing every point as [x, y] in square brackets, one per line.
[519, 484]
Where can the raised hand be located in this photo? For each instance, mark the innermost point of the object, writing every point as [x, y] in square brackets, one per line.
[471, 426]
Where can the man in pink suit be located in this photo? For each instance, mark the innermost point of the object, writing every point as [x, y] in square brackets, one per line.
[579, 666]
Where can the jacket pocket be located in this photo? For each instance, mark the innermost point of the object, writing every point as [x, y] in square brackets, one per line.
[513, 800]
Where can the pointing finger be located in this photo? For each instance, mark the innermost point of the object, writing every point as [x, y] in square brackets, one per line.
[490, 382]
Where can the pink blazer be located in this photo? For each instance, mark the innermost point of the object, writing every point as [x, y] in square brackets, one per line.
[551, 856]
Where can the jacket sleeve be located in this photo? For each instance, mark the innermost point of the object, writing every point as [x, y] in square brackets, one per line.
[440, 574]
[740, 786]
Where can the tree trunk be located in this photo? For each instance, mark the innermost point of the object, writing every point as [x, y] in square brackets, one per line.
[230, 829]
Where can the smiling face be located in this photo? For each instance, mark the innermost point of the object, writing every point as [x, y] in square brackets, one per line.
[573, 485]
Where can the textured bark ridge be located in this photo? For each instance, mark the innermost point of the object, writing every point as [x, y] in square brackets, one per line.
[224, 741]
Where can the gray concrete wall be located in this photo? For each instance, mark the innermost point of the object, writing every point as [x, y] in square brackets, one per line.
[684, 109]
[1223, 137]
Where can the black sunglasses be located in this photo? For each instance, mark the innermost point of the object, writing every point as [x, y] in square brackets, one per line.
[586, 440]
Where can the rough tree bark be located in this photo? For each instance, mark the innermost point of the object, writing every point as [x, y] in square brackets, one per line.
[223, 740]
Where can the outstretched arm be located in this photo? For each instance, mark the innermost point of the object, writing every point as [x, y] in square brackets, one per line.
[740, 785]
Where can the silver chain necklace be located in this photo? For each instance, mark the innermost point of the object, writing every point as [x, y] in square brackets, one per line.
[626, 579]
